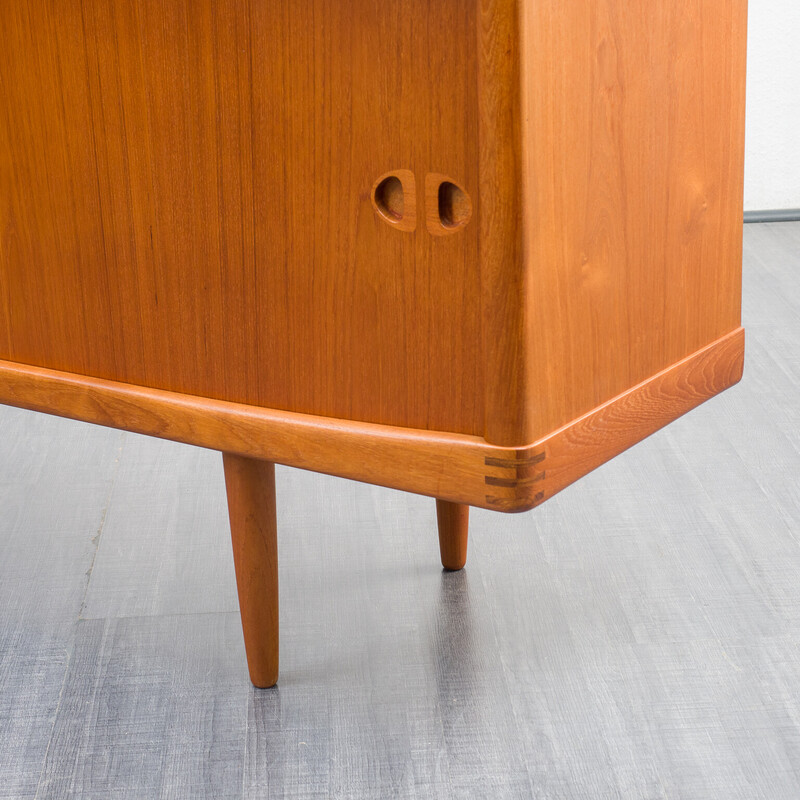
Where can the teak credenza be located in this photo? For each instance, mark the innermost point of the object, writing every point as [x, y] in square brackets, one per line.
[466, 248]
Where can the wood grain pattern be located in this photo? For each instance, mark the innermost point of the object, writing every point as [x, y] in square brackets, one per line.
[185, 202]
[453, 523]
[250, 485]
[448, 208]
[138, 570]
[151, 707]
[507, 325]
[453, 467]
[397, 204]
[591, 440]
[56, 485]
[633, 140]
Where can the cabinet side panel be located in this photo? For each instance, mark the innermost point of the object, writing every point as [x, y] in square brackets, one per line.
[185, 201]
[634, 135]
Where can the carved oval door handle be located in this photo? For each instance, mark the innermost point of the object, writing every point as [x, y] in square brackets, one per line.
[394, 197]
[448, 208]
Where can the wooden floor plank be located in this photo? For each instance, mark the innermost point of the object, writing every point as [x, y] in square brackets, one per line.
[55, 483]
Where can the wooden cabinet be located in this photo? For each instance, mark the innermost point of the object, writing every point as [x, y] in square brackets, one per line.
[471, 249]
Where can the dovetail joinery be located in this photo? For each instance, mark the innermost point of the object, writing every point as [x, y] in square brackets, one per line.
[515, 480]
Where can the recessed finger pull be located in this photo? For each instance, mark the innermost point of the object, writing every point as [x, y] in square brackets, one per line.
[448, 207]
[394, 197]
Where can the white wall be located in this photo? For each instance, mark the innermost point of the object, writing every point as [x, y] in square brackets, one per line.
[772, 143]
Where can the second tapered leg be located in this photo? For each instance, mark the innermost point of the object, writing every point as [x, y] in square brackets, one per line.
[254, 530]
[453, 520]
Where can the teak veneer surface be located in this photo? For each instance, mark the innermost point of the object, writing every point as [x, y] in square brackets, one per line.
[633, 139]
[449, 466]
[185, 201]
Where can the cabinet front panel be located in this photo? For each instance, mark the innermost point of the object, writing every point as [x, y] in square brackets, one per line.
[188, 201]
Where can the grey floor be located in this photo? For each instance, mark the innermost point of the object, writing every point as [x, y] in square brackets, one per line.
[636, 637]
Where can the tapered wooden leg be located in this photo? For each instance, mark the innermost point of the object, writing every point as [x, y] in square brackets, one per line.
[453, 519]
[254, 530]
